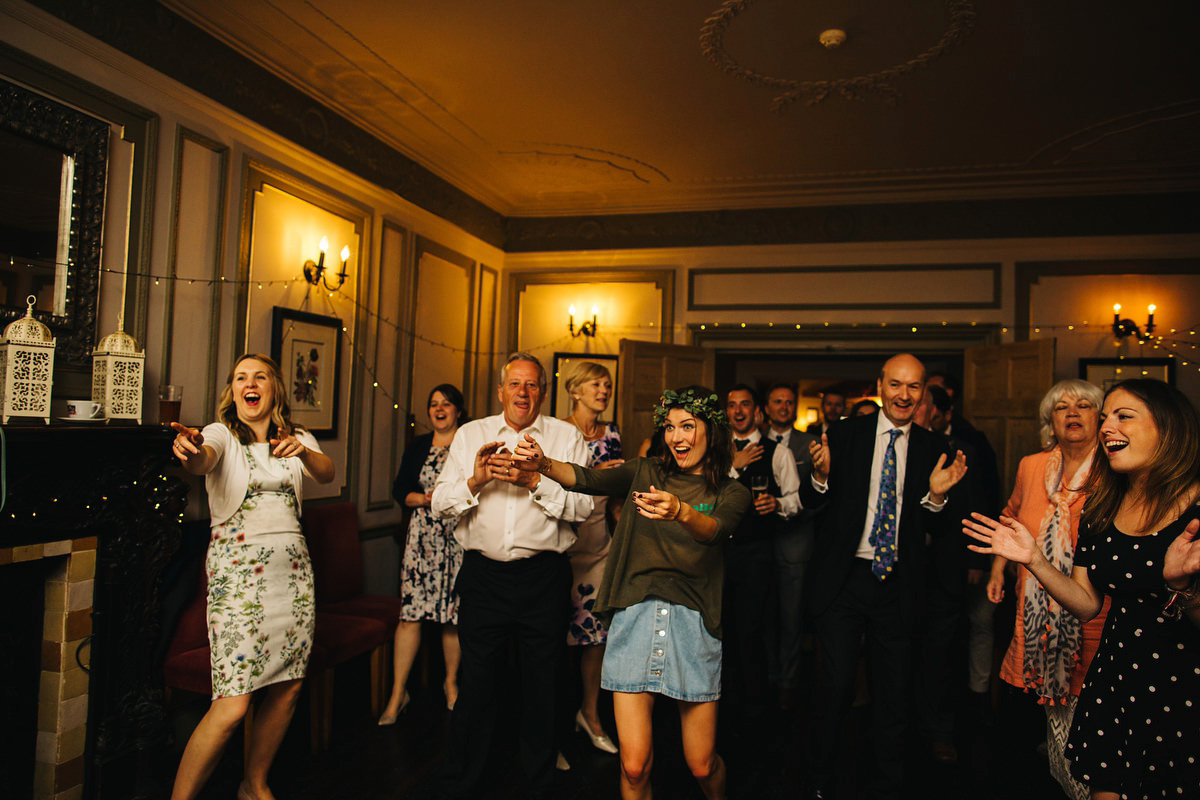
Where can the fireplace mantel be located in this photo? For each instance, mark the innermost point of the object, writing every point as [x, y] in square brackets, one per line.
[107, 498]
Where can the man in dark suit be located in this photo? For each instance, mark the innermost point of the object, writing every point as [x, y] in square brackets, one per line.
[793, 547]
[951, 569]
[750, 598]
[881, 482]
[833, 405]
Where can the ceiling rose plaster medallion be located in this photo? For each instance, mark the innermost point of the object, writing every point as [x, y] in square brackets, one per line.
[961, 21]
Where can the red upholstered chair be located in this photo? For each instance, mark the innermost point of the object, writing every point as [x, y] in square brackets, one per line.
[344, 611]
[338, 638]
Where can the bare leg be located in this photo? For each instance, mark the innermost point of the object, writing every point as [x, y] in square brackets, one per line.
[207, 741]
[590, 661]
[1105, 796]
[699, 726]
[633, 714]
[408, 639]
[452, 653]
[270, 724]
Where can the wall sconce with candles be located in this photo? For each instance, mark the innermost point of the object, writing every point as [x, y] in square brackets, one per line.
[586, 328]
[1123, 328]
[314, 273]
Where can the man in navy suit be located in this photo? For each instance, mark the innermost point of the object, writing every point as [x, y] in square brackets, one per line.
[881, 483]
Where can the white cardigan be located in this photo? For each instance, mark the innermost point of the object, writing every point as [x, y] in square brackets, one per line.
[227, 482]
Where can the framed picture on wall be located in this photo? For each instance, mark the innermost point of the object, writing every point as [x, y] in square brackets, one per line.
[308, 348]
[1104, 372]
[564, 364]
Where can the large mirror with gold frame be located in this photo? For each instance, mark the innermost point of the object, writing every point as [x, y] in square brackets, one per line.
[53, 160]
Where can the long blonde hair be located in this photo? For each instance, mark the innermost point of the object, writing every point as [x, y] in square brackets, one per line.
[281, 424]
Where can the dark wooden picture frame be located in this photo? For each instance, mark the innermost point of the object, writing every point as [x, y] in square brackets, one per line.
[1104, 372]
[308, 349]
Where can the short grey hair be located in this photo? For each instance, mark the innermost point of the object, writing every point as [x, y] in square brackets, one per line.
[1071, 387]
[523, 356]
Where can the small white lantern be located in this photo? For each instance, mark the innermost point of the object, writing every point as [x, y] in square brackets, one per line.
[117, 369]
[26, 367]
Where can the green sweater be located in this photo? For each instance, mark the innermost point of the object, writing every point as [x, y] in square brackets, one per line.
[659, 557]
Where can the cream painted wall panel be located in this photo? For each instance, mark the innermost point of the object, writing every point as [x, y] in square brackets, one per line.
[382, 447]
[488, 359]
[440, 352]
[197, 252]
[1057, 302]
[286, 232]
[841, 287]
[623, 311]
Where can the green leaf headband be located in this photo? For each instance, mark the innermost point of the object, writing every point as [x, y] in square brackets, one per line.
[707, 407]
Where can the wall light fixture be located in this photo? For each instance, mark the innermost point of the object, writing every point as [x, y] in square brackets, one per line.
[586, 328]
[1123, 328]
[314, 273]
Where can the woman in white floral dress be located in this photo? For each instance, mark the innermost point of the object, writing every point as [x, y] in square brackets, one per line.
[261, 612]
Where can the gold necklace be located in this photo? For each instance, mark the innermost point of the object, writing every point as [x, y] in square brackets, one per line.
[596, 431]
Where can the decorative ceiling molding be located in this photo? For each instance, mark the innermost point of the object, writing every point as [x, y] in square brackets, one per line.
[1068, 148]
[961, 21]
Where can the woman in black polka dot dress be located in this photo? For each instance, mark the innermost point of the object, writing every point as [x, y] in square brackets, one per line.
[1136, 732]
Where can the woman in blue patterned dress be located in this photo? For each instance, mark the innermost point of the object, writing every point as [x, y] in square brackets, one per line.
[261, 612]
[590, 388]
[432, 555]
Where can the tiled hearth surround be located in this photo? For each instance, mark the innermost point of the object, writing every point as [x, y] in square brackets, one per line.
[63, 689]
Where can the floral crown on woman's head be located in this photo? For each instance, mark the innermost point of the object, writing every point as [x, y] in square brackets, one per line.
[708, 407]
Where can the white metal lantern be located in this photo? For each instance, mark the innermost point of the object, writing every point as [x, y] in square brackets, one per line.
[26, 367]
[117, 370]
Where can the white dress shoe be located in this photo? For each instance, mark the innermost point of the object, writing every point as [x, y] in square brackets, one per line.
[599, 740]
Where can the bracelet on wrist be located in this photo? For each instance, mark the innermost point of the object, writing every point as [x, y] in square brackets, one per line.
[1181, 600]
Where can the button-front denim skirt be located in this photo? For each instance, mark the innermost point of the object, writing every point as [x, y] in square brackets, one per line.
[662, 647]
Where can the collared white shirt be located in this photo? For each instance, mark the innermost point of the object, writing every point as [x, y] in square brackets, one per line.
[784, 469]
[780, 438]
[506, 522]
[883, 426]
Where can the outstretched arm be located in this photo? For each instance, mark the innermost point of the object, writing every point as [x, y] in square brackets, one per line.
[1010, 539]
[189, 447]
[529, 457]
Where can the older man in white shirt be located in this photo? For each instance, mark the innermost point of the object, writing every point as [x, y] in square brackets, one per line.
[515, 580]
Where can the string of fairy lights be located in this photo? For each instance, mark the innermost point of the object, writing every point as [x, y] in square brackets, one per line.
[1178, 344]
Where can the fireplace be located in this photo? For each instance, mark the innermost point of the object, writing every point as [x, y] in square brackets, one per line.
[83, 542]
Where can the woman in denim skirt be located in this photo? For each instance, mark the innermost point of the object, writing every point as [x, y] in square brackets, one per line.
[662, 583]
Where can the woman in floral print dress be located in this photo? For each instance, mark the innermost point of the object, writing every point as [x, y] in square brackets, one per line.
[590, 388]
[432, 556]
[261, 612]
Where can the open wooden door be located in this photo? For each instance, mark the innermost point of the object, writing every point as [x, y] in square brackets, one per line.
[1002, 387]
[646, 368]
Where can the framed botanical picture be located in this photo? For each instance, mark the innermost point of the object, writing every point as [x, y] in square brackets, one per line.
[308, 348]
[1104, 372]
[564, 364]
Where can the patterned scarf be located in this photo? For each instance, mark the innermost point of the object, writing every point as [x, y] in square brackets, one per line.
[1053, 635]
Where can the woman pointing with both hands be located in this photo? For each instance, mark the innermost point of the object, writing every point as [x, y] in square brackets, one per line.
[261, 613]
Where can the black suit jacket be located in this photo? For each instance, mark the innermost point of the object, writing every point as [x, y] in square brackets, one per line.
[842, 510]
